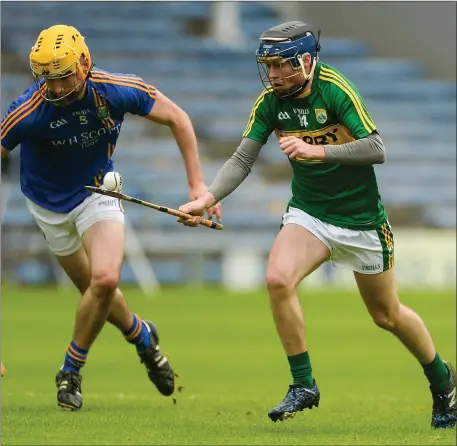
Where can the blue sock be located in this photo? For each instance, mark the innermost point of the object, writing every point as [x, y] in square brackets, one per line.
[138, 334]
[75, 358]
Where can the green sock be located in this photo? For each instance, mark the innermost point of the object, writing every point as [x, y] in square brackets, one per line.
[437, 374]
[300, 366]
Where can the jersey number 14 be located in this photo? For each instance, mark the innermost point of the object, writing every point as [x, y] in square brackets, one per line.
[303, 120]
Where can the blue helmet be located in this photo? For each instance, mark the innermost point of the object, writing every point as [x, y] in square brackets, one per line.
[288, 42]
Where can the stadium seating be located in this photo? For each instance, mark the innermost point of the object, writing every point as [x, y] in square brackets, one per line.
[419, 133]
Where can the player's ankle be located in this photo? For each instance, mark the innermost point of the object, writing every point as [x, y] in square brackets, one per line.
[300, 367]
[437, 374]
[138, 334]
[75, 358]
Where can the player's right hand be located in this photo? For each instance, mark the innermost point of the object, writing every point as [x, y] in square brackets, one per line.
[197, 208]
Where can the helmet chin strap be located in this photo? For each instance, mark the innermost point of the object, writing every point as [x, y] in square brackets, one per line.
[302, 65]
[299, 88]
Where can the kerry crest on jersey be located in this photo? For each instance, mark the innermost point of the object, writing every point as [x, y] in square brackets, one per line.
[321, 115]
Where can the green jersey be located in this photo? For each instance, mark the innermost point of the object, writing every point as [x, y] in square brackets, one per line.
[332, 112]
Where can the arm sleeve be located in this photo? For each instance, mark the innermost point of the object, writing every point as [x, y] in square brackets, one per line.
[236, 169]
[261, 120]
[369, 150]
[346, 103]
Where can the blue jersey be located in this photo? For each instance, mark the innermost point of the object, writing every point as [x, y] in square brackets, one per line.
[64, 149]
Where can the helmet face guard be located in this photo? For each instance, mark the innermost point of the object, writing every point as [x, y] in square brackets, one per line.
[286, 51]
[56, 58]
[264, 74]
[68, 77]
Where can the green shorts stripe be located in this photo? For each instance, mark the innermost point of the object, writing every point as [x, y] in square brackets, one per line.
[387, 242]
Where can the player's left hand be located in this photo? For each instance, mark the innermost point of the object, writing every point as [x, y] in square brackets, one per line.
[199, 190]
[296, 148]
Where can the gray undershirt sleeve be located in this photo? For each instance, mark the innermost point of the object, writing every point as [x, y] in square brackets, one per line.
[236, 169]
[369, 150]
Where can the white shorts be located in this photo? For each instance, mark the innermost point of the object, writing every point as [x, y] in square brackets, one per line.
[367, 252]
[63, 232]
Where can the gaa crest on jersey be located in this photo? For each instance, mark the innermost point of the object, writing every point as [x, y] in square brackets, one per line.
[321, 115]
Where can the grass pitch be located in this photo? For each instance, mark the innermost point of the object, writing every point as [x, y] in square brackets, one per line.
[231, 365]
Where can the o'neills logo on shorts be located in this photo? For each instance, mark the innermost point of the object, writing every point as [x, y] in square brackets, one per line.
[371, 267]
[110, 202]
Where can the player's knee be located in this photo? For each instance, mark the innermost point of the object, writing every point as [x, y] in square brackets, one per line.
[104, 283]
[386, 319]
[278, 282]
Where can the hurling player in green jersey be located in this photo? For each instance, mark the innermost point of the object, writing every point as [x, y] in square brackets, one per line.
[335, 212]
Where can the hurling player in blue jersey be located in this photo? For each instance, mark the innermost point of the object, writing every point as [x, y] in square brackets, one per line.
[67, 124]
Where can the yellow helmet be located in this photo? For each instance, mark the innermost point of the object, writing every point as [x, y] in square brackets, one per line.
[57, 50]
[57, 54]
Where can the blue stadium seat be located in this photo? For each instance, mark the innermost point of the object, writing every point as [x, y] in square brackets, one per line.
[33, 272]
[271, 153]
[220, 130]
[257, 10]
[15, 197]
[407, 194]
[169, 271]
[379, 69]
[429, 174]
[18, 216]
[412, 111]
[251, 220]
[88, 12]
[191, 10]
[416, 150]
[230, 107]
[420, 90]
[166, 271]
[417, 131]
[127, 274]
[151, 27]
[155, 68]
[213, 271]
